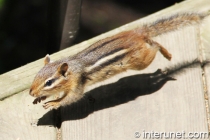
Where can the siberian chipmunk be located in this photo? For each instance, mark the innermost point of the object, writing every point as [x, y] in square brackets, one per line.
[132, 49]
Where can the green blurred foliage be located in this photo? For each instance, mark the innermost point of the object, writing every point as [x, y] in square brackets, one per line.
[1, 3]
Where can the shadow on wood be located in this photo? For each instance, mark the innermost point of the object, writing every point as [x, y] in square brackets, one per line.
[124, 90]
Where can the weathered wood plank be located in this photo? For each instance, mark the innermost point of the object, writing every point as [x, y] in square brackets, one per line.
[19, 117]
[207, 92]
[120, 109]
[119, 115]
[205, 47]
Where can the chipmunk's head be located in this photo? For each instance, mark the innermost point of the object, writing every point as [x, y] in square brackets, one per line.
[50, 79]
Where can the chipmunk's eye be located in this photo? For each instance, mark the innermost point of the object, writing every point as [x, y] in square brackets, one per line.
[49, 82]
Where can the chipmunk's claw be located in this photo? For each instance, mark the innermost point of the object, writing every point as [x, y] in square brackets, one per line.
[53, 105]
[39, 99]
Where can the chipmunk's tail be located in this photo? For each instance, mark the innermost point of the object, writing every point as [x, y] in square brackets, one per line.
[171, 23]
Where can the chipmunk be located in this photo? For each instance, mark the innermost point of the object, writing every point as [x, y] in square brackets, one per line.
[132, 49]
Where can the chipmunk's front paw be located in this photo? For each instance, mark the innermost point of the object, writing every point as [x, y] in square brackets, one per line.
[53, 105]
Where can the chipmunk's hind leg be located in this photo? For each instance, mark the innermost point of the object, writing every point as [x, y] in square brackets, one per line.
[144, 54]
[163, 51]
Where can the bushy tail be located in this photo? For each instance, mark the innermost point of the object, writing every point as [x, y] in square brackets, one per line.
[171, 23]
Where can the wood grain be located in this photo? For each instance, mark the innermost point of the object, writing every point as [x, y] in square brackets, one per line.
[19, 117]
[205, 54]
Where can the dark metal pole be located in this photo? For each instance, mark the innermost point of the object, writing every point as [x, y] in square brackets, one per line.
[71, 23]
[63, 23]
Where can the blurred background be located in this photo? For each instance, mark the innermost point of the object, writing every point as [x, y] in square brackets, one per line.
[24, 25]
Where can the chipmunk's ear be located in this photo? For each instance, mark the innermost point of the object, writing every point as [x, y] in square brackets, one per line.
[47, 59]
[63, 69]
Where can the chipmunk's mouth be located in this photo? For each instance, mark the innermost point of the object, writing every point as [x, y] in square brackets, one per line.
[39, 99]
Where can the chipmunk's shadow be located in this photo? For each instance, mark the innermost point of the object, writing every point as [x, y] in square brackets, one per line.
[124, 90]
